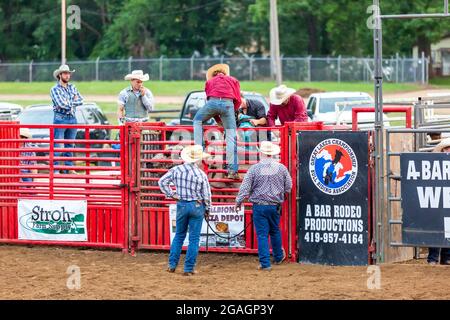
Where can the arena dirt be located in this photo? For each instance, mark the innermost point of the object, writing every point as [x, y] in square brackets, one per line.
[41, 273]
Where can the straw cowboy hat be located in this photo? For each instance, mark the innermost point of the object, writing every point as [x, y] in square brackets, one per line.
[61, 69]
[25, 132]
[442, 145]
[218, 67]
[269, 148]
[137, 74]
[191, 154]
[280, 94]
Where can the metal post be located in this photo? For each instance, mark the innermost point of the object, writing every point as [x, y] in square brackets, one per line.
[339, 68]
[396, 66]
[192, 67]
[30, 71]
[423, 67]
[96, 68]
[250, 74]
[63, 31]
[275, 42]
[308, 77]
[161, 68]
[379, 145]
[403, 69]
[129, 64]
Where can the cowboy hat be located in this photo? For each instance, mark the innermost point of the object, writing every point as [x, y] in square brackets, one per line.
[25, 132]
[280, 94]
[62, 68]
[137, 74]
[268, 148]
[218, 67]
[442, 145]
[191, 154]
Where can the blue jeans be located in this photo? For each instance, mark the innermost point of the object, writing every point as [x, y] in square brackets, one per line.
[189, 214]
[267, 223]
[224, 109]
[64, 133]
[433, 254]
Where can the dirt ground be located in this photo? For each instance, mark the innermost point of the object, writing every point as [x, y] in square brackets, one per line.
[41, 273]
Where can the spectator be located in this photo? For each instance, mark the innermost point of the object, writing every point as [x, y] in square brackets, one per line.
[26, 134]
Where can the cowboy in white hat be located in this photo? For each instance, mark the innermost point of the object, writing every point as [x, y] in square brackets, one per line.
[443, 253]
[224, 99]
[65, 98]
[265, 185]
[135, 101]
[286, 105]
[193, 195]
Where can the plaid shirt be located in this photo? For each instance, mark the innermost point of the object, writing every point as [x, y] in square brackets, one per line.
[63, 99]
[265, 183]
[190, 182]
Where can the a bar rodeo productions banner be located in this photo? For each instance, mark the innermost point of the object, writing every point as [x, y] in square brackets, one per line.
[425, 202]
[227, 223]
[52, 220]
[333, 197]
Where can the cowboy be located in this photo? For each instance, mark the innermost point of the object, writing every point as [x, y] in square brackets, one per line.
[224, 99]
[65, 99]
[26, 155]
[444, 253]
[286, 106]
[253, 109]
[193, 195]
[265, 185]
[135, 101]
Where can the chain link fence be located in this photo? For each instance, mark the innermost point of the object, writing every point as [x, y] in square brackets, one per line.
[335, 69]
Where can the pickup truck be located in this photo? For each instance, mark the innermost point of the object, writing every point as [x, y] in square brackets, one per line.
[336, 108]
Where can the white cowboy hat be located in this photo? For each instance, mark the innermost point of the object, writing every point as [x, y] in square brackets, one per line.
[62, 68]
[269, 148]
[191, 154]
[137, 74]
[25, 132]
[218, 67]
[443, 144]
[280, 94]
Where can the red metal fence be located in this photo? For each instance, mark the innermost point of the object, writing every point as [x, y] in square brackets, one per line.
[102, 186]
[119, 180]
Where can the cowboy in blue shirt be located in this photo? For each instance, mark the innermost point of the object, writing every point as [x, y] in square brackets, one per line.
[65, 98]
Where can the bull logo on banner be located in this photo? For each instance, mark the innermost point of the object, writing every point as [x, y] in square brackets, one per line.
[333, 166]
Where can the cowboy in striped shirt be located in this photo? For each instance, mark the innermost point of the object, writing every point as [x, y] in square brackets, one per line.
[193, 195]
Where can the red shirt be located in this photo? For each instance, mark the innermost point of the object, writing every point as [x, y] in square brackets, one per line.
[294, 110]
[222, 86]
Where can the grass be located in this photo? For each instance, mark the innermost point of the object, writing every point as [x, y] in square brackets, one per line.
[181, 88]
[440, 82]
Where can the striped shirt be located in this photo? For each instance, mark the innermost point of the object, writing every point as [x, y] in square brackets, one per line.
[190, 182]
[63, 99]
[27, 162]
[265, 183]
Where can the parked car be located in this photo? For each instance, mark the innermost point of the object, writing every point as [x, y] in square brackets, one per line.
[9, 111]
[87, 114]
[336, 108]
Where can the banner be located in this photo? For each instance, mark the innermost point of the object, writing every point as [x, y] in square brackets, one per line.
[227, 223]
[425, 200]
[333, 197]
[52, 220]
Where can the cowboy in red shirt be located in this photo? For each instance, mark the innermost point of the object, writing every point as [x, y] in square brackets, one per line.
[223, 93]
[286, 106]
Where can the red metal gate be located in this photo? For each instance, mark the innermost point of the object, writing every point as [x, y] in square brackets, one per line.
[157, 149]
[99, 178]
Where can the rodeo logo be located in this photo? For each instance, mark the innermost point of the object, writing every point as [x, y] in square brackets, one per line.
[333, 166]
[59, 222]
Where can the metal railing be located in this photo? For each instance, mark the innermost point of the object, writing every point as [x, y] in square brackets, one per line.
[395, 69]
